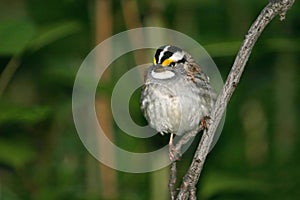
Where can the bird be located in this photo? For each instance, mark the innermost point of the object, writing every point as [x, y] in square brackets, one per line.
[176, 96]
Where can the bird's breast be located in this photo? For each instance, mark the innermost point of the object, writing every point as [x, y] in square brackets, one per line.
[167, 110]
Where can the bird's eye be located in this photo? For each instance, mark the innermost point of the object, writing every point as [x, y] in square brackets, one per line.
[172, 64]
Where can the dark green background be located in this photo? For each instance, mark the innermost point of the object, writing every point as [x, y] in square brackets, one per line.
[42, 44]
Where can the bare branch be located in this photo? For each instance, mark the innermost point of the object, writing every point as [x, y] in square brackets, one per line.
[172, 180]
[278, 7]
[187, 137]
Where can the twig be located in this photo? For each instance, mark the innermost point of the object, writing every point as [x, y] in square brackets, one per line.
[278, 7]
[187, 137]
[172, 180]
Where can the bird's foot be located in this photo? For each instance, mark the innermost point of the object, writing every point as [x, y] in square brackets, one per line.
[174, 155]
[203, 122]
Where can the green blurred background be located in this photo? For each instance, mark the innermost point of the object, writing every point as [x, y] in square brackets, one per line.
[42, 44]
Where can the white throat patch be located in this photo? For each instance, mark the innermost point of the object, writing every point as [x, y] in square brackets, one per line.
[162, 75]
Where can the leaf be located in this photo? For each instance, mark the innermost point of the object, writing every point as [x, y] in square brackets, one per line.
[54, 32]
[14, 114]
[15, 153]
[15, 36]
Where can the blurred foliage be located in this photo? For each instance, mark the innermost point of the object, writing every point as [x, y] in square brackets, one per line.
[42, 44]
[15, 36]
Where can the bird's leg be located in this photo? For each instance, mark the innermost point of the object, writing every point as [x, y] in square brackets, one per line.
[173, 154]
[171, 141]
[171, 148]
[203, 122]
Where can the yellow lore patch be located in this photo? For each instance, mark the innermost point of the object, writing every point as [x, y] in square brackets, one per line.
[167, 62]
